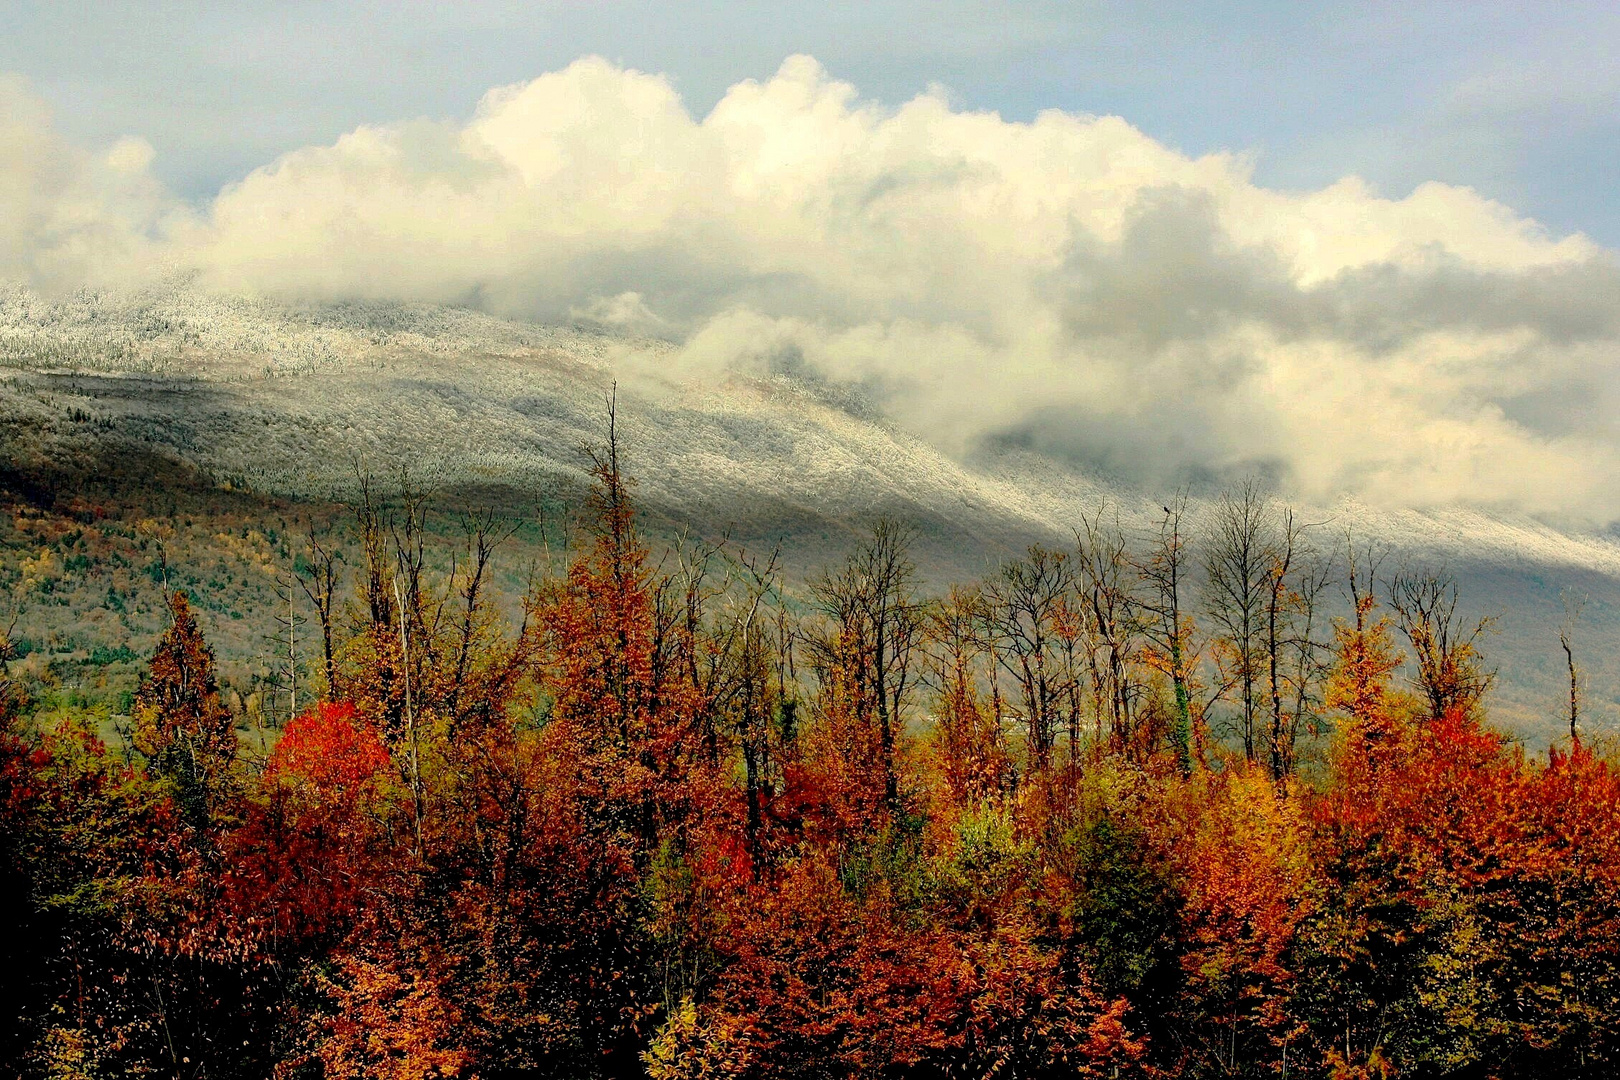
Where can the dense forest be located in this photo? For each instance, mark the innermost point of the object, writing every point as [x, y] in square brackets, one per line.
[1141, 807]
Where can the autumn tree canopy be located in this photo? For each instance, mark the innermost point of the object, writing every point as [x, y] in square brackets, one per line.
[1135, 807]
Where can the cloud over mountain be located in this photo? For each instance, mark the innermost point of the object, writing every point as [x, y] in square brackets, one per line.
[1068, 284]
[69, 218]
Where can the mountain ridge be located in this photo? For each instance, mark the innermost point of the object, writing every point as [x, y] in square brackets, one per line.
[291, 400]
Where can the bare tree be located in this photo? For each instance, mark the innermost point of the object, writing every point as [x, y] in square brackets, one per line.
[1451, 675]
[685, 647]
[610, 499]
[959, 645]
[1574, 603]
[784, 633]
[1360, 583]
[320, 584]
[1026, 601]
[753, 698]
[876, 618]
[410, 720]
[285, 670]
[372, 522]
[1306, 657]
[1238, 568]
[483, 532]
[1169, 631]
[1295, 667]
[408, 530]
[728, 649]
[1104, 581]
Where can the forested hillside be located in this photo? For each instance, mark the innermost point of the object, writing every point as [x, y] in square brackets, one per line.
[234, 423]
[1134, 806]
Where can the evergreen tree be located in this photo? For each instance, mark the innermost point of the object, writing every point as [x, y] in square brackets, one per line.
[181, 724]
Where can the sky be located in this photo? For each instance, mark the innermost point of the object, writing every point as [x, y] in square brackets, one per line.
[1520, 101]
[1368, 252]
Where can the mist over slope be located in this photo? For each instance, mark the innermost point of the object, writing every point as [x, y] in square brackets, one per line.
[288, 401]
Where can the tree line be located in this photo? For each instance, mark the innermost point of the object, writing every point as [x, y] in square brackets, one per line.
[1140, 806]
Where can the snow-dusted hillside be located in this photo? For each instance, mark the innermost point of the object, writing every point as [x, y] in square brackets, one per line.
[288, 400]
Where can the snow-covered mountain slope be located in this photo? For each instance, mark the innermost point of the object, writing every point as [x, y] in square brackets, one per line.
[290, 400]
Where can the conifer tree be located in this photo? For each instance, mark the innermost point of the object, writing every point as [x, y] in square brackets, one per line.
[181, 724]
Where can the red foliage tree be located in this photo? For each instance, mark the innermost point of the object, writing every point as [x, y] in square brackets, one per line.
[314, 849]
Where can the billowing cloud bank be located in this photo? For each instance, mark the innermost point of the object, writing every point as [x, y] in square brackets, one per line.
[1068, 284]
[69, 218]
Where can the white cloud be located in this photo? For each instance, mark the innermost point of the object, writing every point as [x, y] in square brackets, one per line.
[1067, 283]
[68, 217]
